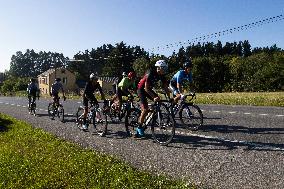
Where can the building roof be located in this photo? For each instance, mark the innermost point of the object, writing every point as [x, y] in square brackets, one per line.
[52, 70]
[108, 79]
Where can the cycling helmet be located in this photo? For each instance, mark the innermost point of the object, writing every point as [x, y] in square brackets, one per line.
[162, 64]
[131, 75]
[32, 80]
[93, 76]
[187, 64]
[58, 79]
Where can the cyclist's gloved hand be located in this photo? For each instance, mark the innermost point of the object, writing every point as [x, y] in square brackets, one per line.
[156, 99]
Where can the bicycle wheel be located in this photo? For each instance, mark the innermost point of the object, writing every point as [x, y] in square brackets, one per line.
[163, 126]
[60, 113]
[51, 110]
[191, 116]
[100, 122]
[33, 109]
[131, 120]
[79, 117]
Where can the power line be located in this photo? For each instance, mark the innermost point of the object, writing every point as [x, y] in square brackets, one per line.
[220, 33]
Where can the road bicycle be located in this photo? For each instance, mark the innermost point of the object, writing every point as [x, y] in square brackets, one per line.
[32, 108]
[159, 120]
[116, 116]
[95, 116]
[56, 110]
[187, 112]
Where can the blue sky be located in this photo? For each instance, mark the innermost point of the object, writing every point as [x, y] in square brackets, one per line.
[70, 26]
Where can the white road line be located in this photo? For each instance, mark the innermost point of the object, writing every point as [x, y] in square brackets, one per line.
[24, 106]
[247, 113]
[232, 112]
[70, 114]
[41, 109]
[216, 111]
[18, 105]
[6, 103]
[263, 114]
[12, 104]
[280, 115]
[79, 102]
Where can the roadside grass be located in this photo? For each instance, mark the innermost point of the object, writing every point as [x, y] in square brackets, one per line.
[32, 158]
[242, 98]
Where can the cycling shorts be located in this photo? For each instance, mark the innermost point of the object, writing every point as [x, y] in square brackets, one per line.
[143, 98]
[90, 98]
[121, 93]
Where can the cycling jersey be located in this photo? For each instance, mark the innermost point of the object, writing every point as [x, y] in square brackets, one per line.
[32, 88]
[151, 78]
[88, 94]
[126, 83]
[56, 87]
[181, 76]
[178, 78]
[90, 88]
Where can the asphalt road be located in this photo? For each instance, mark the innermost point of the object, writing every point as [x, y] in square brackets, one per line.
[238, 146]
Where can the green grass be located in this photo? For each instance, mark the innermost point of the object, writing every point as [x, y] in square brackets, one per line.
[32, 158]
[242, 98]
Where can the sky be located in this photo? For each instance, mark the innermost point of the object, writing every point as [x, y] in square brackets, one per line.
[70, 26]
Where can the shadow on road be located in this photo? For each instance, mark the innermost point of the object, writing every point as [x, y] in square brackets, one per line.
[204, 142]
[241, 129]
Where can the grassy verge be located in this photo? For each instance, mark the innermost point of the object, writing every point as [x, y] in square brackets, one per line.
[255, 99]
[31, 158]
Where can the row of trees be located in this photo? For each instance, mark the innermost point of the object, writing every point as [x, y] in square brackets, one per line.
[217, 67]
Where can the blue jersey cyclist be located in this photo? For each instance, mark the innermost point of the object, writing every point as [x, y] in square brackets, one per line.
[178, 79]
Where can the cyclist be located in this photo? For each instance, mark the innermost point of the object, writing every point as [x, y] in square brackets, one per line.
[177, 80]
[145, 90]
[32, 91]
[88, 95]
[123, 89]
[55, 88]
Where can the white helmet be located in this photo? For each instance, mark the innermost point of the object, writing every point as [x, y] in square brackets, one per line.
[93, 76]
[161, 63]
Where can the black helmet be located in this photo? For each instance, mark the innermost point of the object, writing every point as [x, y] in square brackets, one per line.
[58, 79]
[187, 64]
[32, 80]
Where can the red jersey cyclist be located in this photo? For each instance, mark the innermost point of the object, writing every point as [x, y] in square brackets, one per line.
[145, 91]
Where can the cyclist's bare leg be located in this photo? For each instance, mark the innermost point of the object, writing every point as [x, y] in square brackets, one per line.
[144, 112]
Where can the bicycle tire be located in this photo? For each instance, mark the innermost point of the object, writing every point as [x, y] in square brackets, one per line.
[131, 120]
[191, 116]
[60, 113]
[100, 122]
[79, 118]
[163, 125]
[33, 109]
[50, 111]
